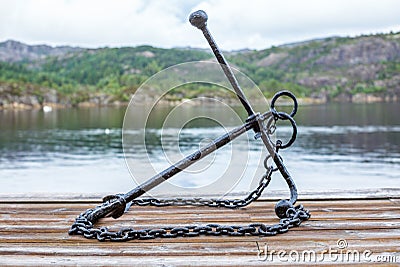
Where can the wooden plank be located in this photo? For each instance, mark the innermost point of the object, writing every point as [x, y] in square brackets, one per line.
[151, 261]
[34, 233]
[210, 260]
[261, 206]
[326, 195]
[293, 236]
[175, 250]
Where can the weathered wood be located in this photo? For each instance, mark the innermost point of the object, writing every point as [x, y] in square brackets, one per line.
[33, 232]
[382, 193]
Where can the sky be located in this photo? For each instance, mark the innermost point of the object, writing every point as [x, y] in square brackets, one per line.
[235, 24]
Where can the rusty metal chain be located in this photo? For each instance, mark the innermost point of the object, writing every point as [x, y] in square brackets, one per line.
[294, 217]
[83, 226]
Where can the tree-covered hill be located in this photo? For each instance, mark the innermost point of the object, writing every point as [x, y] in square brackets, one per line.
[329, 68]
[77, 75]
[337, 68]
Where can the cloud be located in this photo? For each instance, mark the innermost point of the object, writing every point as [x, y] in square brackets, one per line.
[236, 24]
[263, 23]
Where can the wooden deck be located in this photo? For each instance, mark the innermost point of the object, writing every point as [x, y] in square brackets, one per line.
[34, 231]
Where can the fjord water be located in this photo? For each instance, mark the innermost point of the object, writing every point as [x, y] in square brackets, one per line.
[339, 146]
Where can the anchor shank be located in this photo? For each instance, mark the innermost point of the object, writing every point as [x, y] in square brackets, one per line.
[199, 20]
[228, 71]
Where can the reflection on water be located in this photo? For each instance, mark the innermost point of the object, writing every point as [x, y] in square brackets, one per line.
[79, 150]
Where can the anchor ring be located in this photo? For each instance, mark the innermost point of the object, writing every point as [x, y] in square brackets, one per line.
[285, 116]
[280, 94]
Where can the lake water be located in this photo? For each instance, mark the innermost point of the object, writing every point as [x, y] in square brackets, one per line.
[339, 146]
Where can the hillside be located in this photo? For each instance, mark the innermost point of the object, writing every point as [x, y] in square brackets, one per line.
[363, 68]
[330, 68]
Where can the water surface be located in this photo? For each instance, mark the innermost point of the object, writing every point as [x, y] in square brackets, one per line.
[339, 146]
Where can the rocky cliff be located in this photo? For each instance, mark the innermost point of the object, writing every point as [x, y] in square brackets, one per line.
[335, 67]
[13, 51]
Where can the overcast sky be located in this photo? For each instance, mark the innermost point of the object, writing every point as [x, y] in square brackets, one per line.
[235, 24]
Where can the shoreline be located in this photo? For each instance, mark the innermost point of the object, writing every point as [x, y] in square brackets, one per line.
[357, 99]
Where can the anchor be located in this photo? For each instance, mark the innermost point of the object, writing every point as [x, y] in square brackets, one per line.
[263, 126]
